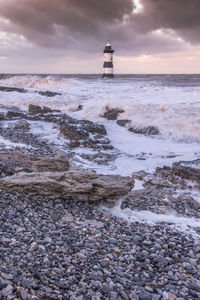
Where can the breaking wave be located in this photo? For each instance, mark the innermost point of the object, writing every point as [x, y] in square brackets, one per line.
[169, 102]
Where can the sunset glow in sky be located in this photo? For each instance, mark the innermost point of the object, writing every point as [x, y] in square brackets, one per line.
[68, 36]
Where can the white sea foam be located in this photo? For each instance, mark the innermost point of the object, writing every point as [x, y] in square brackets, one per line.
[185, 224]
[170, 103]
[172, 108]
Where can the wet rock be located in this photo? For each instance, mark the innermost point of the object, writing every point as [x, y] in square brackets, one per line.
[21, 125]
[34, 109]
[24, 295]
[46, 109]
[145, 296]
[2, 116]
[15, 162]
[80, 107]
[49, 94]
[123, 123]
[77, 184]
[12, 89]
[149, 130]
[85, 134]
[14, 114]
[7, 290]
[187, 169]
[112, 113]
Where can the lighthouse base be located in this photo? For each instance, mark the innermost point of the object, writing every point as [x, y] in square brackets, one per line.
[108, 75]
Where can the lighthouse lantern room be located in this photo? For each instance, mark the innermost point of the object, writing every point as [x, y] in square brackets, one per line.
[108, 61]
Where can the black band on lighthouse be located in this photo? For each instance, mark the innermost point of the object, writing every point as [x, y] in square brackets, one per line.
[108, 64]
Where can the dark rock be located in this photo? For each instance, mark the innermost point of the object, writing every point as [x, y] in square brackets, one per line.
[3, 285]
[14, 114]
[80, 107]
[123, 123]
[187, 169]
[34, 109]
[105, 289]
[86, 134]
[112, 113]
[12, 89]
[149, 130]
[2, 116]
[46, 109]
[7, 290]
[21, 125]
[49, 94]
[26, 284]
[24, 295]
[145, 296]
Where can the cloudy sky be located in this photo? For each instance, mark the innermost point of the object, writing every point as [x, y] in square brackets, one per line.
[68, 36]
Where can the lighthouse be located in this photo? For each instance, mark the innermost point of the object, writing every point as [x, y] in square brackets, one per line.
[108, 61]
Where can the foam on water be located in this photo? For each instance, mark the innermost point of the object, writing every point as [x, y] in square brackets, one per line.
[181, 223]
[171, 103]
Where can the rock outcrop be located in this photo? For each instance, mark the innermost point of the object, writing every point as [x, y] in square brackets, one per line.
[2, 116]
[85, 134]
[123, 123]
[14, 115]
[21, 125]
[149, 130]
[34, 109]
[187, 169]
[112, 113]
[49, 94]
[55, 177]
[12, 89]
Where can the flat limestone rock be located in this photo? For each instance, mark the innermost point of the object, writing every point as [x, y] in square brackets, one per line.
[80, 185]
[15, 162]
[57, 177]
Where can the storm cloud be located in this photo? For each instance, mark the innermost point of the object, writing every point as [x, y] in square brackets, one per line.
[62, 22]
[81, 27]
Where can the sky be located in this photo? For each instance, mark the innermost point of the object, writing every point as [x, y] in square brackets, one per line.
[68, 36]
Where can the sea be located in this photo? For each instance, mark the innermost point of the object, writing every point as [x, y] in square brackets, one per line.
[171, 103]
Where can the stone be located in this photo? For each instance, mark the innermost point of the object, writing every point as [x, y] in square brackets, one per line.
[15, 162]
[49, 94]
[34, 109]
[156, 297]
[6, 276]
[53, 177]
[145, 296]
[172, 297]
[133, 296]
[26, 284]
[7, 290]
[85, 134]
[189, 170]
[21, 125]
[112, 113]
[2, 116]
[14, 114]
[24, 295]
[105, 289]
[149, 130]
[123, 123]
[46, 109]
[12, 89]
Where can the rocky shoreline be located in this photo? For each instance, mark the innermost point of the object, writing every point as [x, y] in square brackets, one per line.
[57, 242]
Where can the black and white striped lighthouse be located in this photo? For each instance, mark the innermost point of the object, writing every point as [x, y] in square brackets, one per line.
[108, 61]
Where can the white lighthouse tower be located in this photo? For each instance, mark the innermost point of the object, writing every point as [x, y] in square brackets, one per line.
[108, 61]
